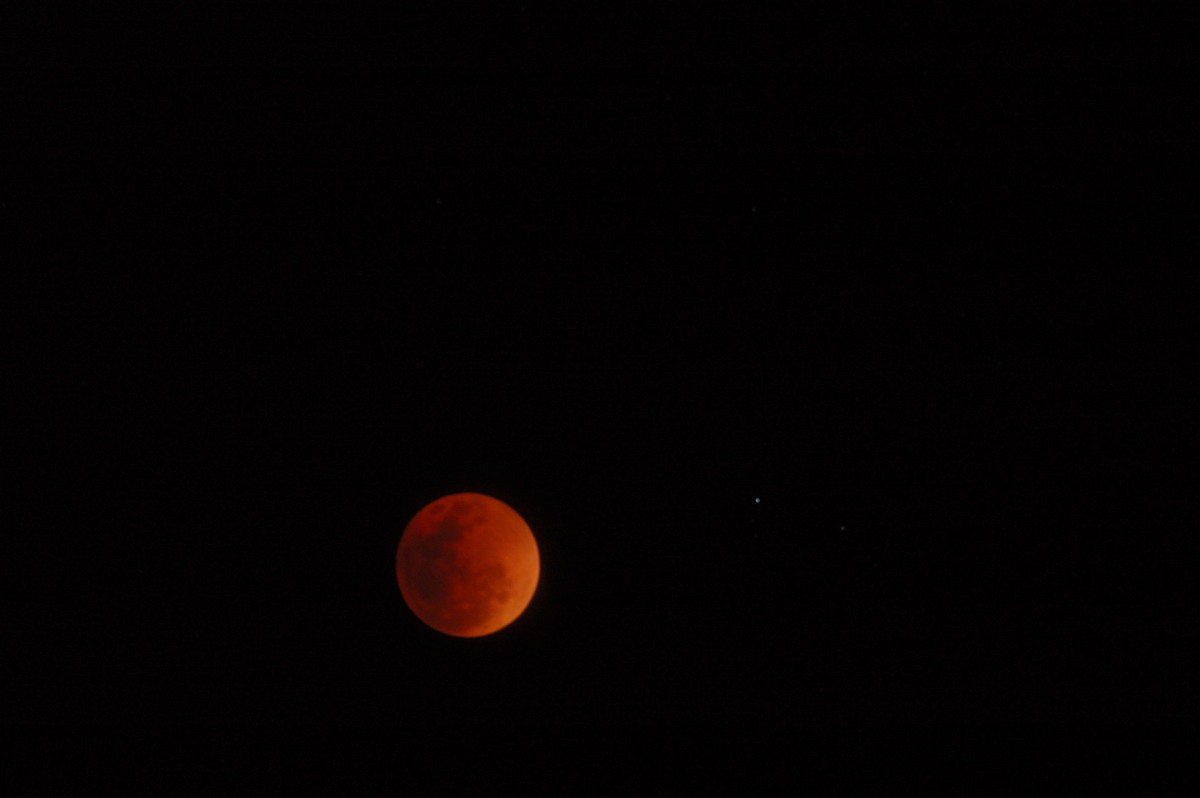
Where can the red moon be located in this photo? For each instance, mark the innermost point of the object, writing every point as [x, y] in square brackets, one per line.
[467, 565]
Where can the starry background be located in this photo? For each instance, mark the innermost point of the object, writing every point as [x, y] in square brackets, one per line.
[836, 362]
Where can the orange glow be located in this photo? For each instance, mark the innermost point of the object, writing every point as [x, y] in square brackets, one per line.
[467, 565]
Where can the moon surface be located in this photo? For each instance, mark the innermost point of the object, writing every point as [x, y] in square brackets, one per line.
[467, 565]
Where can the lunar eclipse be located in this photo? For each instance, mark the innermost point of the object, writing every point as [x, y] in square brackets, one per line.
[467, 565]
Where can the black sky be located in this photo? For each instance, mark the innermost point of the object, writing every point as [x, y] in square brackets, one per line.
[837, 364]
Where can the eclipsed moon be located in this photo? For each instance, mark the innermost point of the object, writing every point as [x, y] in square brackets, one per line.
[467, 565]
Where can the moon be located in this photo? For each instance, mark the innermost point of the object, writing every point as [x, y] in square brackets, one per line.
[467, 565]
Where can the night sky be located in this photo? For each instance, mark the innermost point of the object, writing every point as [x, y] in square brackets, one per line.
[837, 364]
